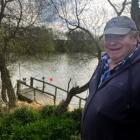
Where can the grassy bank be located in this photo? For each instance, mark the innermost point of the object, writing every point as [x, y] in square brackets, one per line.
[27, 123]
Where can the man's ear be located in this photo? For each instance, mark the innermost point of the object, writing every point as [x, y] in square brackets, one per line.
[136, 37]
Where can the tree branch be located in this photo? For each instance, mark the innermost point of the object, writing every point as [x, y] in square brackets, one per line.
[124, 3]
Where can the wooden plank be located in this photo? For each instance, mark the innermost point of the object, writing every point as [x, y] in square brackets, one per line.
[39, 97]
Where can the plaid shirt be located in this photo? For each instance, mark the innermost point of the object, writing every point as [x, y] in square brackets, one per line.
[105, 60]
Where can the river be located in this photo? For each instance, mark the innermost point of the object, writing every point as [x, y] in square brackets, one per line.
[57, 69]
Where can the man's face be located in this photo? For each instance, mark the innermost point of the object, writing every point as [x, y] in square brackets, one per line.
[119, 46]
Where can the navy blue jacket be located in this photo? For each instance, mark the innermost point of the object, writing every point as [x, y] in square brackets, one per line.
[112, 112]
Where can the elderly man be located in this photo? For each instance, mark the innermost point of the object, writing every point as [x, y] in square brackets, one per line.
[112, 110]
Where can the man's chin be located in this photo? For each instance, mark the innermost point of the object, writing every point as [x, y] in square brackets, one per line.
[116, 60]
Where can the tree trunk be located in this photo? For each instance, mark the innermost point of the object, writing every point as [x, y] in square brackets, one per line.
[74, 91]
[135, 12]
[3, 91]
[9, 87]
[6, 81]
[64, 105]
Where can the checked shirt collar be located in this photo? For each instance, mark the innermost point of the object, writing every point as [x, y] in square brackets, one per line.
[105, 61]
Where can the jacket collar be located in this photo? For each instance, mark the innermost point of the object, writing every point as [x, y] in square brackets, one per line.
[135, 59]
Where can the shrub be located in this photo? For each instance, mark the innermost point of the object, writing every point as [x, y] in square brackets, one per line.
[27, 124]
[54, 128]
[6, 126]
[26, 115]
[75, 115]
[48, 110]
[21, 116]
[77, 137]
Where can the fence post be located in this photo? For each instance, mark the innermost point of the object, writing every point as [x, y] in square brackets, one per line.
[80, 100]
[31, 81]
[18, 87]
[24, 80]
[34, 95]
[55, 95]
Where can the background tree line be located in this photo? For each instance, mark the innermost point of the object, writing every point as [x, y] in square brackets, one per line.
[41, 40]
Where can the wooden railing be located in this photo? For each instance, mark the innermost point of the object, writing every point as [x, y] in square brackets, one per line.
[54, 95]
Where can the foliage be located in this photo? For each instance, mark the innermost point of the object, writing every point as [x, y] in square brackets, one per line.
[20, 117]
[32, 41]
[26, 115]
[75, 115]
[79, 41]
[40, 40]
[47, 111]
[53, 128]
[27, 124]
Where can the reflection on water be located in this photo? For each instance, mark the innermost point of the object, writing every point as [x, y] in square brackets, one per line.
[57, 69]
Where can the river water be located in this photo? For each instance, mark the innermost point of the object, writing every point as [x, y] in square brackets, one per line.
[57, 69]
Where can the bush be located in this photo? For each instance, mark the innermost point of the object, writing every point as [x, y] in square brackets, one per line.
[27, 124]
[6, 126]
[75, 115]
[48, 110]
[77, 137]
[26, 115]
[54, 128]
[21, 116]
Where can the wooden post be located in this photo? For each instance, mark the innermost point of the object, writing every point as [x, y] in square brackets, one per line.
[80, 103]
[18, 87]
[31, 81]
[24, 80]
[34, 96]
[55, 95]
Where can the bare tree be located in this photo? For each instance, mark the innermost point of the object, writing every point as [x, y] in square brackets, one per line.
[134, 9]
[15, 17]
[119, 9]
[74, 21]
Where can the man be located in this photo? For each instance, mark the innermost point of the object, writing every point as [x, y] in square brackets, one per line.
[112, 110]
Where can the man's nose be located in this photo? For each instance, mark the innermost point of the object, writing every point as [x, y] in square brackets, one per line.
[112, 42]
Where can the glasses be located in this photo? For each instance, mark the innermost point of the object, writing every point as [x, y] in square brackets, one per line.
[111, 37]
